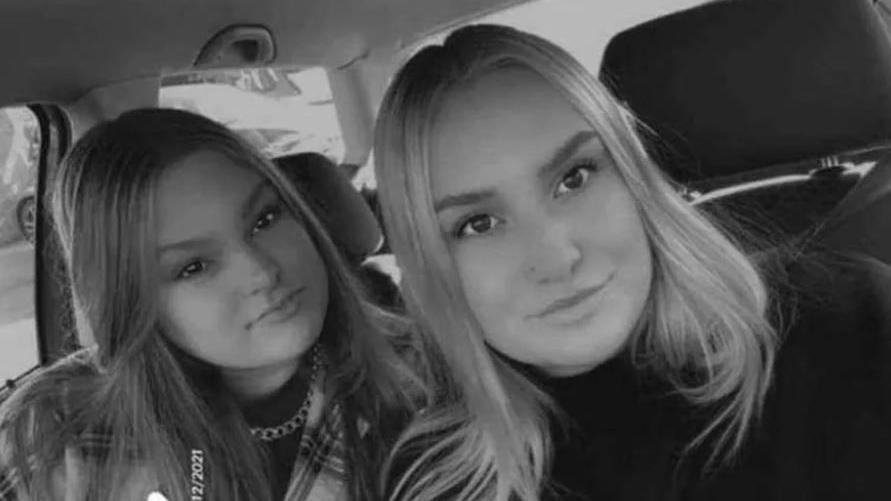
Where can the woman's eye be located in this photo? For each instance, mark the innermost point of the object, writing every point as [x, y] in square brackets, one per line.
[576, 177]
[267, 218]
[193, 268]
[476, 225]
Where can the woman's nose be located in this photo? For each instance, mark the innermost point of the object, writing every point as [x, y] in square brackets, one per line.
[261, 271]
[552, 253]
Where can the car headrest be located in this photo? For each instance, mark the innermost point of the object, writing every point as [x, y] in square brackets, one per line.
[338, 204]
[736, 85]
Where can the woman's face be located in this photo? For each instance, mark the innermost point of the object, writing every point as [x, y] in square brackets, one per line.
[243, 286]
[547, 240]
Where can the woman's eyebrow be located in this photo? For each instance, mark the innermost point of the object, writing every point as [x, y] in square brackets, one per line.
[565, 152]
[466, 198]
[184, 245]
[247, 208]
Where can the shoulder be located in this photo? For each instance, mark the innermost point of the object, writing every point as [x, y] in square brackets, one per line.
[836, 328]
[50, 393]
[834, 362]
[826, 424]
[836, 336]
[843, 276]
[38, 441]
[67, 478]
[839, 310]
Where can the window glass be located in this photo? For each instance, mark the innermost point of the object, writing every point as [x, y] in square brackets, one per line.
[19, 160]
[280, 110]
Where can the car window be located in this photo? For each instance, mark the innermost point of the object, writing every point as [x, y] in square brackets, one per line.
[280, 110]
[19, 158]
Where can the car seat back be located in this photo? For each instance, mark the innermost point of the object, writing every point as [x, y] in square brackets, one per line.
[739, 92]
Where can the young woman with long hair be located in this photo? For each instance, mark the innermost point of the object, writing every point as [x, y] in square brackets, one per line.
[587, 313]
[229, 353]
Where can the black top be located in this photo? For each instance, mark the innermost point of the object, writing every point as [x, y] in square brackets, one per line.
[274, 410]
[826, 429]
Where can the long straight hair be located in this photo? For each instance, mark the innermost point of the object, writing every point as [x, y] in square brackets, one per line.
[152, 403]
[704, 328]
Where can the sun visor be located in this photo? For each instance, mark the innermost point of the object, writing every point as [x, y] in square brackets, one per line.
[736, 85]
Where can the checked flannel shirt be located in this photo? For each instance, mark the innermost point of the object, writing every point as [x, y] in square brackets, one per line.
[319, 473]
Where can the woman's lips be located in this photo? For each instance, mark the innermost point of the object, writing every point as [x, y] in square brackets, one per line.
[566, 305]
[281, 310]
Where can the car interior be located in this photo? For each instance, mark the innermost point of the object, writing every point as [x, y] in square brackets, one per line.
[775, 113]
[770, 122]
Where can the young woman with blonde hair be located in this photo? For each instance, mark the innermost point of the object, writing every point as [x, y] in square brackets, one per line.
[563, 280]
[232, 355]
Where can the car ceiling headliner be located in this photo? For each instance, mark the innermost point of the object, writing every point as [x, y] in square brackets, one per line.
[59, 49]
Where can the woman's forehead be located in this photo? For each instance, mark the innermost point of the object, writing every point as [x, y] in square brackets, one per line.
[200, 189]
[204, 172]
[508, 120]
[494, 89]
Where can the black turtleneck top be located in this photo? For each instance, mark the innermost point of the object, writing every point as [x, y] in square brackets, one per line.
[825, 432]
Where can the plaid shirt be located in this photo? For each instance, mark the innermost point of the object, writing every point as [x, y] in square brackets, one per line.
[319, 472]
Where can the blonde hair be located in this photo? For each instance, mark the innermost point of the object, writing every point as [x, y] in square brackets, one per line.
[704, 328]
[154, 402]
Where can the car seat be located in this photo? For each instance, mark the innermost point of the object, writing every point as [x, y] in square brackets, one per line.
[860, 222]
[344, 212]
[767, 109]
[347, 216]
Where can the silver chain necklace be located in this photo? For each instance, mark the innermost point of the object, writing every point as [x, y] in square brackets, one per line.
[298, 420]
